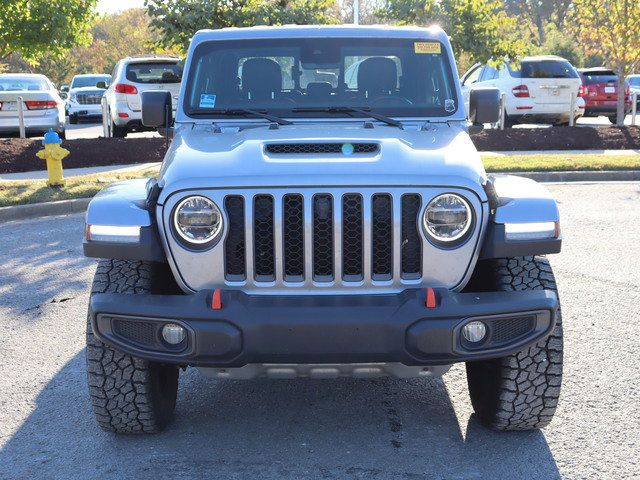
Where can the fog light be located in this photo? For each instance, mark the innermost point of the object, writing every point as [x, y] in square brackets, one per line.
[173, 334]
[474, 331]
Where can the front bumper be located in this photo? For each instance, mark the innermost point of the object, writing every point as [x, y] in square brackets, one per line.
[322, 329]
[84, 110]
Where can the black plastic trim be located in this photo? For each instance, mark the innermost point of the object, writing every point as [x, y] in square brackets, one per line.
[148, 248]
[496, 245]
[325, 328]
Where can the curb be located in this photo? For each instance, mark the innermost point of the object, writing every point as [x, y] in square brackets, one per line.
[580, 176]
[35, 210]
[66, 207]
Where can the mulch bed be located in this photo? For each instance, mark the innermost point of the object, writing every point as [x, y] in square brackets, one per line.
[560, 138]
[19, 155]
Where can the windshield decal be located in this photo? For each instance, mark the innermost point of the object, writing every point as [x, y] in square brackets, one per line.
[449, 105]
[427, 47]
[207, 100]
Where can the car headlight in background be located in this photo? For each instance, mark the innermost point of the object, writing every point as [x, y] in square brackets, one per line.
[447, 218]
[197, 220]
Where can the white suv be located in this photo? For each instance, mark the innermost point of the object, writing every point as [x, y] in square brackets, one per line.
[538, 90]
[85, 96]
[131, 77]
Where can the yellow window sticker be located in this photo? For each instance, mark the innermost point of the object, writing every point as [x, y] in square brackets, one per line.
[427, 47]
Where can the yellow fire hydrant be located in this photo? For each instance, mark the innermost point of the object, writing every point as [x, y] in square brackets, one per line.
[53, 153]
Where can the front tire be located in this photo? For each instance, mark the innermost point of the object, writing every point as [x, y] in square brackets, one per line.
[73, 119]
[520, 391]
[128, 394]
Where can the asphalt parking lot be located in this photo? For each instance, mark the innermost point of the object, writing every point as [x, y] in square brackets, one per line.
[330, 429]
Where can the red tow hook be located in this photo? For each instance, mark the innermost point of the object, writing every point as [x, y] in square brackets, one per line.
[216, 300]
[431, 298]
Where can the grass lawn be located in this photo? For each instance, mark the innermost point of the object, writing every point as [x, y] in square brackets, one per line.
[560, 162]
[18, 192]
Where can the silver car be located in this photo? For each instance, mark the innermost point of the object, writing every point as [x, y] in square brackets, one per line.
[42, 107]
[303, 225]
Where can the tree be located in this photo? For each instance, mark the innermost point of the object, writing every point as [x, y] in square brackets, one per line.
[35, 27]
[177, 20]
[540, 13]
[557, 42]
[478, 28]
[612, 29]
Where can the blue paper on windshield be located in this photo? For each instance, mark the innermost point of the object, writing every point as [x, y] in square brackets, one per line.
[207, 100]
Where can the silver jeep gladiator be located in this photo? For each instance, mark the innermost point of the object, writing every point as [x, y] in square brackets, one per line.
[322, 212]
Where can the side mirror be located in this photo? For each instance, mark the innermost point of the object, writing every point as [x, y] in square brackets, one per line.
[64, 88]
[484, 105]
[156, 109]
[102, 85]
[64, 95]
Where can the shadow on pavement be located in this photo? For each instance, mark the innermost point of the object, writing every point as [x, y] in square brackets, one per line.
[330, 429]
[44, 264]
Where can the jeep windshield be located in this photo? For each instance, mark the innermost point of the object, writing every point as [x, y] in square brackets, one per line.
[321, 78]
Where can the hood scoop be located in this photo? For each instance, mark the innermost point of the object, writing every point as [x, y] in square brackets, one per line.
[335, 148]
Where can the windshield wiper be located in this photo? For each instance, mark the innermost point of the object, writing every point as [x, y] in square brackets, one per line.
[346, 109]
[240, 111]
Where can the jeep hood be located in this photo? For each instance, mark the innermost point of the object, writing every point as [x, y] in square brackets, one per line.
[202, 157]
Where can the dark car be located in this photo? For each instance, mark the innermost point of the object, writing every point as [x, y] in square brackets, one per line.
[600, 93]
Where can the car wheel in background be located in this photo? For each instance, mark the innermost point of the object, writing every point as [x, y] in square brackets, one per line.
[118, 132]
[613, 119]
[509, 122]
[73, 119]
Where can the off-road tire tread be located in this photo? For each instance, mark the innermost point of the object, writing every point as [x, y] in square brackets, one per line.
[520, 391]
[121, 386]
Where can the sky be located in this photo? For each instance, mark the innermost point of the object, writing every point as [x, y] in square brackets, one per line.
[111, 6]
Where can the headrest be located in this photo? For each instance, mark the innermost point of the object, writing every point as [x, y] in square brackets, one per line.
[261, 77]
[377, 75]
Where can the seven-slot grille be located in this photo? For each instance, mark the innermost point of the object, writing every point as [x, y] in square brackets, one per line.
[320, 237]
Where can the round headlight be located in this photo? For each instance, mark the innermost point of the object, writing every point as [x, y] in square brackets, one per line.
[197, 220]
[447, 218]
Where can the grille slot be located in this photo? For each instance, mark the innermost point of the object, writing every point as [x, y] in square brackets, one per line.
[316, 148]
[323, 237]
[264, 255]
[143, 333]
[235, 247]
[293, 237]
[382, 237]
[411, 243]
[352, 237]
[507, 329]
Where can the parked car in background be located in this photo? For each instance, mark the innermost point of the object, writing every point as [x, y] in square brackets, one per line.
[85, 96]
[538, 90]
[43, 109]
[600, 91]
[131, 77]
[634, 86]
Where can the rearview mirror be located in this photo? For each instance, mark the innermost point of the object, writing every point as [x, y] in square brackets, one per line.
[156, 109]
[102, 85]
[484, 105]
